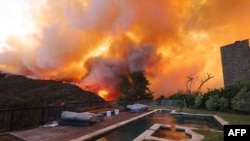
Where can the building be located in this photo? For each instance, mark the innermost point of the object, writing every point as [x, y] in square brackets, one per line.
[235, 60]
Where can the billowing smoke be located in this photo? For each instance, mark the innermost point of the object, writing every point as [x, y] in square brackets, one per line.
[91, 42]
[104, 71]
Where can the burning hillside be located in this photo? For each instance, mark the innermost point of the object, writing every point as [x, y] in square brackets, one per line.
[92, 42]
[19, 91]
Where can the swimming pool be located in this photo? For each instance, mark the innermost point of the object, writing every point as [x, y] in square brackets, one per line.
[132, 130]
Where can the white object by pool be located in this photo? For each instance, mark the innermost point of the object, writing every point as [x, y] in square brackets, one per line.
[108, 114]
[116, 112]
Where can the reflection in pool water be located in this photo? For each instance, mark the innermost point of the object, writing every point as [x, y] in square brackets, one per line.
[171, 133]
[132, 130]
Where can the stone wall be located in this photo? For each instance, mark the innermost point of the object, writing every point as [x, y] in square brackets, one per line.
[235, 60]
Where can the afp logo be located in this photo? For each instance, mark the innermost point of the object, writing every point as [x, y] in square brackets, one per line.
[237, 132]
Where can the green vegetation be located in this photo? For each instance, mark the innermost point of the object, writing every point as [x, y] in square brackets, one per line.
[134, 86]
[232, 118]
[210, 135]
[181, 95]
[234, 98]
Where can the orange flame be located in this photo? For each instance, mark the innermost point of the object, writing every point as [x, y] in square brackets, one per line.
[103, 93]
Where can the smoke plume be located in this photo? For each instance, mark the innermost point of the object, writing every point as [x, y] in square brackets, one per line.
[92, 42]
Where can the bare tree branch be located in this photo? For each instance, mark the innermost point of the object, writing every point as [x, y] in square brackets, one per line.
[203, 82]
[190, 79]
[189, 83]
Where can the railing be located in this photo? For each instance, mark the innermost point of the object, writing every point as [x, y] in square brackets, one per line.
[23, 118]
[157, 103]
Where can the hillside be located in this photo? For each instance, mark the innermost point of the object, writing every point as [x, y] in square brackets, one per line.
[20, 91]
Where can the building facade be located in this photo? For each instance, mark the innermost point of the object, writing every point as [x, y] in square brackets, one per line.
[235, 60]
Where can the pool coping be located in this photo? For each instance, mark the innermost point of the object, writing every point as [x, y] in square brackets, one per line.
[148, 134]
[109, 128]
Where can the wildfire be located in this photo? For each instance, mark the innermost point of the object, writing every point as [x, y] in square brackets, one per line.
[93, 42]
[103, 93]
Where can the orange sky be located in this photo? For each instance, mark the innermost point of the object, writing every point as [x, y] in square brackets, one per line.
[91, 42]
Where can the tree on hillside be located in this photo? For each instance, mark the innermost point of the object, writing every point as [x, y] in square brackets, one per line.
[135, 86]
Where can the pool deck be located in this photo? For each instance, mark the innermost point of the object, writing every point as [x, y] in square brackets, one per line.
[77, 133]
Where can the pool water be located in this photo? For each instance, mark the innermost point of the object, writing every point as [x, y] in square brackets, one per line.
[134, 129]
[197, 121]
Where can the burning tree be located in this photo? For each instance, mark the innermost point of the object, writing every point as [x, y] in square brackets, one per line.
[134, 86]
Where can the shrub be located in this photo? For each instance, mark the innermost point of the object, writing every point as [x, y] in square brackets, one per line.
[198, 102]
[212, 103]
[223, 104]
[180, 95]
[241, 101]
[208, 94]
